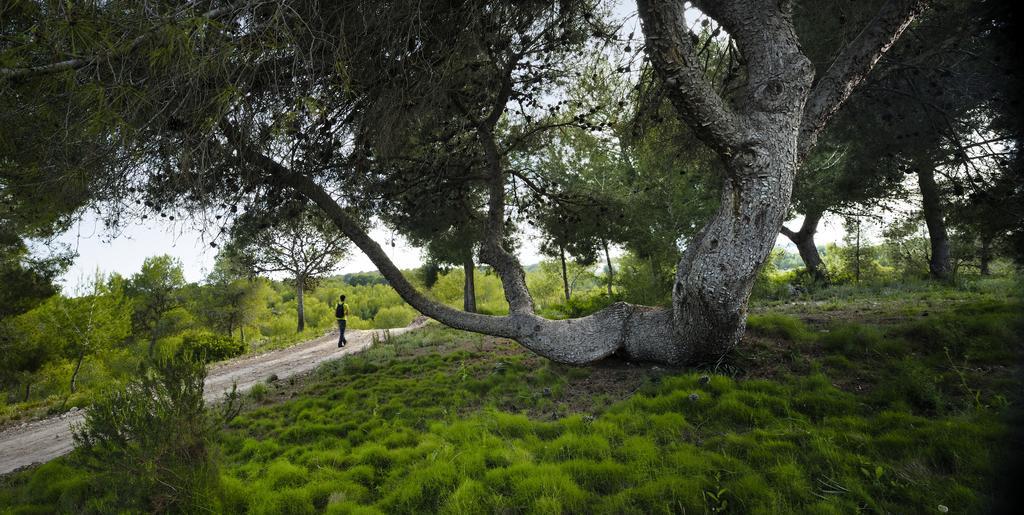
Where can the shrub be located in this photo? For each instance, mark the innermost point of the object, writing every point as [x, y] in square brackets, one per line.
[852, 339]
[780, 326]
[258, 392]
[149, 444]
[394, 316]
[208, 347]
[581, 305]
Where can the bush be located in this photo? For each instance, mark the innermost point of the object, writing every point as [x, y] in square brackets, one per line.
[394, 316]
[780, 326]
[580, 305]
[852, 339]
[208, 347]
[149, 444]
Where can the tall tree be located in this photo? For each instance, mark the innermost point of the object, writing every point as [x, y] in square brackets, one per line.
[932, 110]
[302, 246]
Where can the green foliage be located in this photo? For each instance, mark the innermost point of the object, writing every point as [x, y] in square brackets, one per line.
[394, 316]
[580, 305]
[207, 347]
[149, 444]
[779, 326]
[27, 279]
[75, 328]
[770, 283]
[156, 292]
[490, 297]
[646, 281]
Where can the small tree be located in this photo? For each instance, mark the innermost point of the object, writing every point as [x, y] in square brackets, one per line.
[156, 291]
[230, 300]
[85, 325]
[24, 355]
[304, 246]
[152, 438]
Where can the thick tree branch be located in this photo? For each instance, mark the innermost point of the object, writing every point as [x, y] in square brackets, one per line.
[508, 327]
[671, 51]
[577, 341]
[492, 252]
[852, 65]
[787, 232]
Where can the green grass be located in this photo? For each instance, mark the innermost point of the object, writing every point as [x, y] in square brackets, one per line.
[842, 409]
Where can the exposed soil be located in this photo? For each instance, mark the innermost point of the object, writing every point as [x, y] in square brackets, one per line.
[43, 440]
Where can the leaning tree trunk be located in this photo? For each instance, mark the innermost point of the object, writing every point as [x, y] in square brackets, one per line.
[299, 293]
[718, 269]
[939, 264]
[804, 241]
[469, 286]
[760, 136]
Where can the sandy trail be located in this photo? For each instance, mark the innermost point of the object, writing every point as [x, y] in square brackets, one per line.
[43, 440]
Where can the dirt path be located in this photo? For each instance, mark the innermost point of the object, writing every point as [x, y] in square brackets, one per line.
[43, 440]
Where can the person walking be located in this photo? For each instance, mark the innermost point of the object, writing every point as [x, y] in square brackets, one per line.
[341, 313]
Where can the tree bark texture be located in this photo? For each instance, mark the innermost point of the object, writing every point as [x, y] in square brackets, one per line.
[939, 264]
[760, 136]
[299, 294]
[469, 286]
[804, 241]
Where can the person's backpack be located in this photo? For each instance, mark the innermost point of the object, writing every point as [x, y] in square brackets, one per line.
[339, 312]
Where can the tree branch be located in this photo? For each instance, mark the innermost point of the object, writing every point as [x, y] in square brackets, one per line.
[513, 279]
[787, 232]
[671, 51]
[510, 327]
[25, 72]
[852, 65]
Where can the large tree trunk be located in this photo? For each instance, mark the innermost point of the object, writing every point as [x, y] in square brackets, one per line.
[760, 137]
[718, 269]
[469, 286]
[565, 274]
[299, 293]
[804, 241]
[611, 271]
[939, 265]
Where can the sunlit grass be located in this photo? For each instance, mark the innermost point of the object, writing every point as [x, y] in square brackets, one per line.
[845, 411]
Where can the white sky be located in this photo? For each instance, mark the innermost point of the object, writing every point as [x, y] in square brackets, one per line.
[125, 253]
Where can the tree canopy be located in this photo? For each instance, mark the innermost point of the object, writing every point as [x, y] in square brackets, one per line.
[457, 122]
